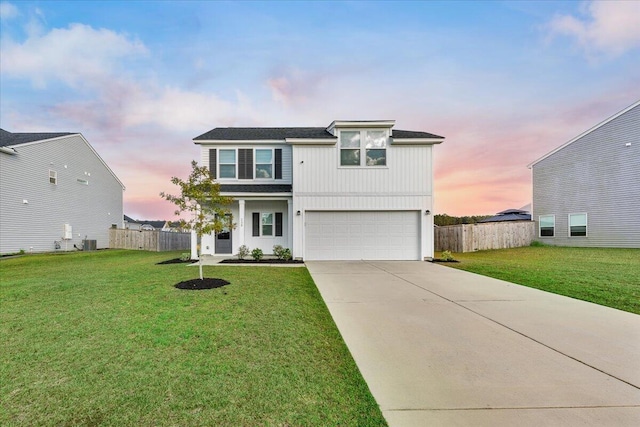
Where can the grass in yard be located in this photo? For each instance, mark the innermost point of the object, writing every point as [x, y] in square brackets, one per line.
[103, 338]
[605, 276]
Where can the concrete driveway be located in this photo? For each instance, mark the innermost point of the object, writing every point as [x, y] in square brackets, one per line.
[443, 347]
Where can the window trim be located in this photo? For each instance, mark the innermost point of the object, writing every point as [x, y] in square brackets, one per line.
[363, 149]
[255, 164]
[586, 224]
[277, 224]
[235, 163]
[540, 225]
[53, 177]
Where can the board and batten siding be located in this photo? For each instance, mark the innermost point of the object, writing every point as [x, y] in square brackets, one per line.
[33, 211]
[405, 184]
[597, 174]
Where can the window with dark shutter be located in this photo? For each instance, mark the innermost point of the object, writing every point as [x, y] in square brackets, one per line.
[278, 163]
[212, 163]
[256, 224]
[278, 223]
[245, 163]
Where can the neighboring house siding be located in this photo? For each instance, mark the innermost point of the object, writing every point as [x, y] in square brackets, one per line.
[598, 175]
[90, 209]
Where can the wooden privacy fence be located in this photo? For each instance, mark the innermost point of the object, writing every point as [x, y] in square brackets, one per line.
[482, 236]
[149, 240]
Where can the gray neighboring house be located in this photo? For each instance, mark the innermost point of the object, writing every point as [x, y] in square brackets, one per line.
[56, 191]
[587, 191]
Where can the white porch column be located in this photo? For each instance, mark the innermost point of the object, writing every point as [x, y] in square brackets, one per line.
[240, 233]
[290, 224]
[194, 245]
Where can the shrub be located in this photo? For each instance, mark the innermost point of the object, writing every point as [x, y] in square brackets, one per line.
[277, 251]
[185, 256]
[282, 253]
[257, 254]
[243, 252]
[447, 256]
[536, 244]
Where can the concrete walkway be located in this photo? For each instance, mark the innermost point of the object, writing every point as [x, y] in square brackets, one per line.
[443, 347]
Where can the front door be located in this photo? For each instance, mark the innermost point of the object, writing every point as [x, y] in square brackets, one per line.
[223, 238]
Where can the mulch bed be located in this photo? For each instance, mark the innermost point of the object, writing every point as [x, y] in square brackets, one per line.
[177, 261]
[262, 261]
[197, 284]
[444, 260]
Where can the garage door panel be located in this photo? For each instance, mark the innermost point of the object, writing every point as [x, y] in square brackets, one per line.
[354, 235]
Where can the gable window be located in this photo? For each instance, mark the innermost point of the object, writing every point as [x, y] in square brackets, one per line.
[363, 148]
[547, 225]
[264, 163]
[577, 225]
[227, 163]
[53, 177]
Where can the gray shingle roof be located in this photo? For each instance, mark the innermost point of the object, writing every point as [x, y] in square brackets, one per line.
[255, 188]
[253, 134]
[9, 138]
[410, 134]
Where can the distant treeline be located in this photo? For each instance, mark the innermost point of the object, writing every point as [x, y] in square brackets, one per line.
[444, 219]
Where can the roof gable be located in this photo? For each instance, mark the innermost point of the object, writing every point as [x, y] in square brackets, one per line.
[599, 125]
[9, 138]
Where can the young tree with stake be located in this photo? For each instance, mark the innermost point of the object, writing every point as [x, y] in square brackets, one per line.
[200, 197]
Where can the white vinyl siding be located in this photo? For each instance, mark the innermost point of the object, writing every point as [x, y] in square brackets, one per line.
[372, 235]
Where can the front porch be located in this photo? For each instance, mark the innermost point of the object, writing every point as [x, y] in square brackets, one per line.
[258, 223]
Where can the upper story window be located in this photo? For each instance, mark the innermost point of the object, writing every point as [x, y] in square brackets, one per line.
[577, 225]
[245, 163]
[363, 148]
[547, 225]
[227, 163]
[53, 177]
[264, 163]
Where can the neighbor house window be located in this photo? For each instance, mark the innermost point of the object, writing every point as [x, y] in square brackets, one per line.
[53, 177]
[264, 163]
[267, 224]
[577, 225]
[227, 163]
[547, 225]
[82, 181]
[363, 148]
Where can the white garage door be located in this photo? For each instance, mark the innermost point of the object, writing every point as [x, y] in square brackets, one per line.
[373, 235]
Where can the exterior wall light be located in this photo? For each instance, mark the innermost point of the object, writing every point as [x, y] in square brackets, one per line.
[427, 212]
[298, 213]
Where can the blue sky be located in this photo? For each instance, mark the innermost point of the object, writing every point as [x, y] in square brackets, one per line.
[504, 82]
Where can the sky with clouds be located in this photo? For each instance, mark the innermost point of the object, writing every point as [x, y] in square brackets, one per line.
[504, 82]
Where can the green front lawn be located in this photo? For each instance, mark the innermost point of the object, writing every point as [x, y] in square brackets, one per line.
[608, 277]
[103, 338]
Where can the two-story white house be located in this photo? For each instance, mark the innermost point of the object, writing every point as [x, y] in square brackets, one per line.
[353, 190]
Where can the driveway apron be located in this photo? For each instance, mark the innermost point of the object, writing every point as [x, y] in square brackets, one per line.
[444, 347]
